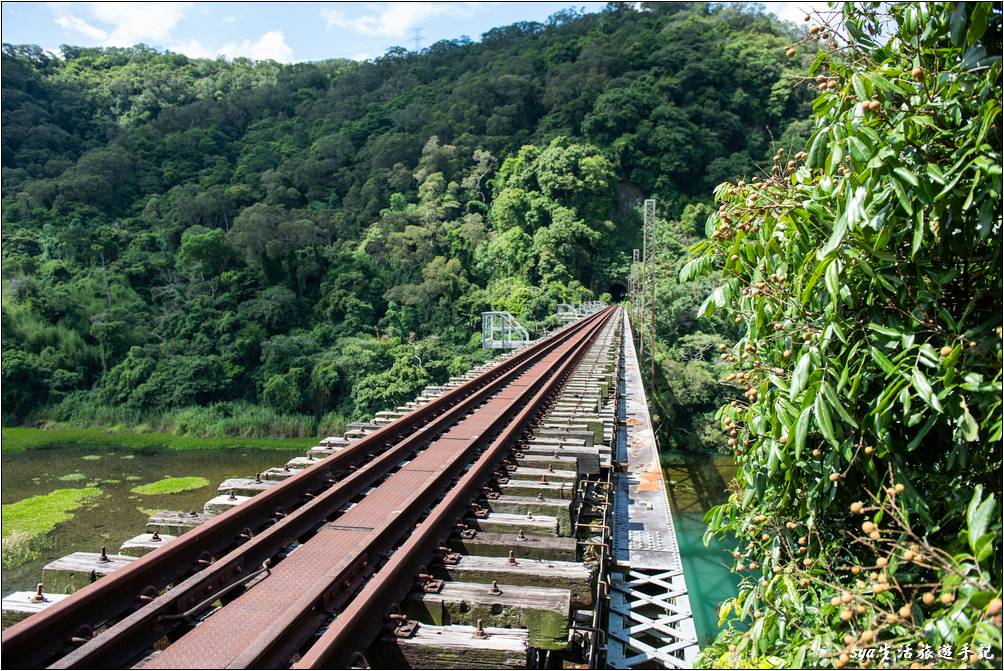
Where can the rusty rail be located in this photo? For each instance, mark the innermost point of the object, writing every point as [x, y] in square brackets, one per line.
[275, 518]
[354, 628]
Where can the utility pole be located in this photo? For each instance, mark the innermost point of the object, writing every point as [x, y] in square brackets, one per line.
[416, 38]
[651, 240]
[641, 293]
[633, 282]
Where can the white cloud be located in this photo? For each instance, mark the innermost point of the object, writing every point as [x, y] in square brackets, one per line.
[77, 24]
[394, 19]
[192, 48]
[271, 45]
[127, 23]
[124, 24]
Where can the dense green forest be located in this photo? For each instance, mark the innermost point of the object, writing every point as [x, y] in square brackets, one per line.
[216, 247]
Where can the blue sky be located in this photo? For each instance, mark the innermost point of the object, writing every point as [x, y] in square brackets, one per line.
[283, 31]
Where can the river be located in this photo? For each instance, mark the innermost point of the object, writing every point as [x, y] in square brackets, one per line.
[117, 513]
[695, 484]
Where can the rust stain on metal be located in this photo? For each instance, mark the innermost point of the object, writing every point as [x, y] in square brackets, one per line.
[651, 480]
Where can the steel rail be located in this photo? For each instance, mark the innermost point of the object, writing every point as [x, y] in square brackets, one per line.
[275, 647]
[139, 629]
[364, 618]
[144, 624]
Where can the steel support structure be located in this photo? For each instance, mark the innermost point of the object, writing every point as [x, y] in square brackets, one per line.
[650, 622]
[500, 330]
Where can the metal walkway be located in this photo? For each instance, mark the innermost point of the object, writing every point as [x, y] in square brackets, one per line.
[650, 615]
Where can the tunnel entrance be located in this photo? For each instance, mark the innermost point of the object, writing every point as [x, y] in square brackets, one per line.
[618, 292]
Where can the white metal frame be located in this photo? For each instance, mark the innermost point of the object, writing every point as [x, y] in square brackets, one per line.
[650, 620]
[500, 330]
[567, 312]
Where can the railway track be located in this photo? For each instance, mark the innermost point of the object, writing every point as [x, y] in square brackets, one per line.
[312, 570]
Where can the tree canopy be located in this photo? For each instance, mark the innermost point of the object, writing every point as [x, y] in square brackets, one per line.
[321, 237]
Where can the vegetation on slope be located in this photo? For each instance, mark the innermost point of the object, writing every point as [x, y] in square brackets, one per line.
[864, 275]
[294, 245]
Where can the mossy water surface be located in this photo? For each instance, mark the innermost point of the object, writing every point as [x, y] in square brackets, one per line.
[27, 522]
[116, 513]
[170, 486]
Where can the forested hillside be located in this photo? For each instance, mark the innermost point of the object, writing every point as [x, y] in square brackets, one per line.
[214, 246]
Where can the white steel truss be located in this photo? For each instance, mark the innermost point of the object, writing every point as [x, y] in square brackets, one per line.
[650, 621]
[500, 330]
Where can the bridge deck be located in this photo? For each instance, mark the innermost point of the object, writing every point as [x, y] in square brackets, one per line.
[650, 618]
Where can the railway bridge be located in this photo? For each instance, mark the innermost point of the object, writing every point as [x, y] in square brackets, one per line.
[515, 517]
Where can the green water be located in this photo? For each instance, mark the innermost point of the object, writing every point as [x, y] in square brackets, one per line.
[695, 484]
[117, 514]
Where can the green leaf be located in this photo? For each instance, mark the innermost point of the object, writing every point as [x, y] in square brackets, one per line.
[918, 233]
[906, 400]
[800, 375]
[957, 23]
[906, 176]
[978, 515]
[884, 330]
[860, 152]
[901, 196]
[862, 87]
[883, 361]
[978, 21]
[984, 546]
[832, 280]
[919, 436]
[802, 430]
[823, 420]
[817, 151]
[695, 267]
[967, 423]
[924, 389]
[707, 307]
[836, 237]
[834, 400]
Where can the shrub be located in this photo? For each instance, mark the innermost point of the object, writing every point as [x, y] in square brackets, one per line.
[865, 276]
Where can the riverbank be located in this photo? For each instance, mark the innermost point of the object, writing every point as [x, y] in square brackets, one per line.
[20, 439]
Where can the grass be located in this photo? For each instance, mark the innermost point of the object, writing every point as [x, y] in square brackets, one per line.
[21, 439]
[230, 419]
[19, 548]
[72, 477]
[149, 512]
[171, 486]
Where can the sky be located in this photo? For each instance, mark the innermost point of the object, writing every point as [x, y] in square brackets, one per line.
[283, 31]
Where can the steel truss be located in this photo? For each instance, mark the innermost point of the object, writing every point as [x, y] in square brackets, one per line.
[650, 620]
